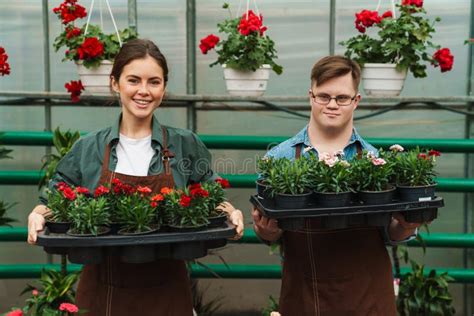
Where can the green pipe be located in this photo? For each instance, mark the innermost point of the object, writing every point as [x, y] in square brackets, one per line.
[22, 177]
[233, 271]
[37, 138]
[444, 240]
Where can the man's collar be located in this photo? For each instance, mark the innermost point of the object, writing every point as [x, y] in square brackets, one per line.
[303, 138]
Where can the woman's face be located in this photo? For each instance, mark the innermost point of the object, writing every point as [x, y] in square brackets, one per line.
[141, 87]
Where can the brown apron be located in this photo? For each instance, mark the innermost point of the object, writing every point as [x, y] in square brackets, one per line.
[114, 288]
[336, 272]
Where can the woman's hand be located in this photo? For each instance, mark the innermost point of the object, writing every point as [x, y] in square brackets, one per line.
[236, 217]
[36, 222]
[266, 228]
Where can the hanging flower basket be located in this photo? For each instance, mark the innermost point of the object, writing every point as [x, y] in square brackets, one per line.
[95, 80]
[246, 83]
[382, 79]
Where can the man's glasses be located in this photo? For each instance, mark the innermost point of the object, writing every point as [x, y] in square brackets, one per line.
[324, 99]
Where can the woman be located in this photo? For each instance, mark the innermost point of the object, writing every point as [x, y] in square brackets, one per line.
[140, 151]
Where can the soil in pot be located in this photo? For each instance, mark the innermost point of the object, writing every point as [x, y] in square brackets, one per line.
[292, 201]
[416, 193]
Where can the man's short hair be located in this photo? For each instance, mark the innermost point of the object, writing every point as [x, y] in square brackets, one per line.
[331, 67]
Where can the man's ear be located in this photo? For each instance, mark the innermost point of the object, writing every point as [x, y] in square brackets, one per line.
[357, 100]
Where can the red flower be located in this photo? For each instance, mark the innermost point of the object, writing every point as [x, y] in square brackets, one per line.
[75, 89]
[444, 59]
[157, 198]
[90, 48]
[69, 11]
[416, 3]
[185, 200]
[82, 190]
[165, 190]
[61, 186]
[434, 153]
[72, 32]
[422, 156]
[69, 194]
[16, 312]
[153, 204]
[250, 22]
[387, 14]
[208, 43]
[199, 192]
[127, 189]
[68, 307]
[224, 183]
[366, 18]
[4, 66]
[144, 190]
[101, 190]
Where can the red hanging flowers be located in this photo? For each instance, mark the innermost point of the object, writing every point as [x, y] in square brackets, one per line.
[366, 18]
[69, 11]
[91, 48]
[75, 88]
[208, 43]
[68, 307]
[4, 66]
[444, 59]
[416, 3]
[250, 22]
[72, 31]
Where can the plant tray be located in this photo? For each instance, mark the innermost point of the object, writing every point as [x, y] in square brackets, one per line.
[356, 214]
[136, 249]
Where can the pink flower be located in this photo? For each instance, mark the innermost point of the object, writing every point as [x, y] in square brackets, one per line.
[378, 162]
[324, 156]
[35, 292]
[331, 161]
[396, 148]
[68, 307]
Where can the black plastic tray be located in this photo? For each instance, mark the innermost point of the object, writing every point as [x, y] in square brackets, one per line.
[354, 215]
[136, 249]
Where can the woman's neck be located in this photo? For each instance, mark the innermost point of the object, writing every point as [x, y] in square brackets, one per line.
[133, 127]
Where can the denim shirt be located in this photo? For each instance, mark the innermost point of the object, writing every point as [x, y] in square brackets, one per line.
[287, 149]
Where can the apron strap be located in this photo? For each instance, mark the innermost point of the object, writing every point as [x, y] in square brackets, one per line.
[167, 154]
[105, 165]
[298, 151]
[359, 150]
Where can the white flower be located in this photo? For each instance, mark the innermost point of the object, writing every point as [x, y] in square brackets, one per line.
[331, 161]
[378, 162]
[307, 149]
[396, 148]
[345, 163]
[275, 314]
[371, 155]
[324, 156]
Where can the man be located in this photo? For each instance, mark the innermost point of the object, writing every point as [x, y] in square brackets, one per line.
[333, 272]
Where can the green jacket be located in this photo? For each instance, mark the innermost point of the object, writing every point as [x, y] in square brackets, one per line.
[83, 164]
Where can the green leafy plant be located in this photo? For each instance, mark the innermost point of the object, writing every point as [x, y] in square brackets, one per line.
[63, 142]
[416, 167]
[188, 207]
[272, 306]
[246, 48]
[216, 195]
[4, 207]
[404, 40]
[90, 48]
[60, 201]
[137, 212]
[289, 177]
[372, 173]
[264, 165]
[88, 215]
[330, 173]
[54, 289]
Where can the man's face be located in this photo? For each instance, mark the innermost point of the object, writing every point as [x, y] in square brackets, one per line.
[332, 116]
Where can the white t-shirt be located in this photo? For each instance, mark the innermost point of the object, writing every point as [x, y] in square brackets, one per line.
[134, 155]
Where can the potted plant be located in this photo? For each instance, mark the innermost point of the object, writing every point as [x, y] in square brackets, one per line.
[89, 47]
[187, 209]
[137, 211]
[289, 182]
[247, 54]
[89, 216]
[400, 44]
[331, 180]
[60, 201]
[216, 197]
[264, 165]
[373, 176]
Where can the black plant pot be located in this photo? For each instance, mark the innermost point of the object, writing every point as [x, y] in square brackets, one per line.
[103, 230]
[292, 201]
[85, 255]
[423, 192]
[217, 221]
[421, 216]
[332, 199]
[377, 197]
[263, 190]
[115, 227]
[215, 243]
[58, 227]
[138, 254]
[189, 250]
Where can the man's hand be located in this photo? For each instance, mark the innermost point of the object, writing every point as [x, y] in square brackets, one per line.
[265, 227]
[400, 229]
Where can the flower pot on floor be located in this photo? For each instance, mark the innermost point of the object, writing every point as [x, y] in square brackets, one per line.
[96, 81]
[247, 83]
[382, 79]
[416, 193]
